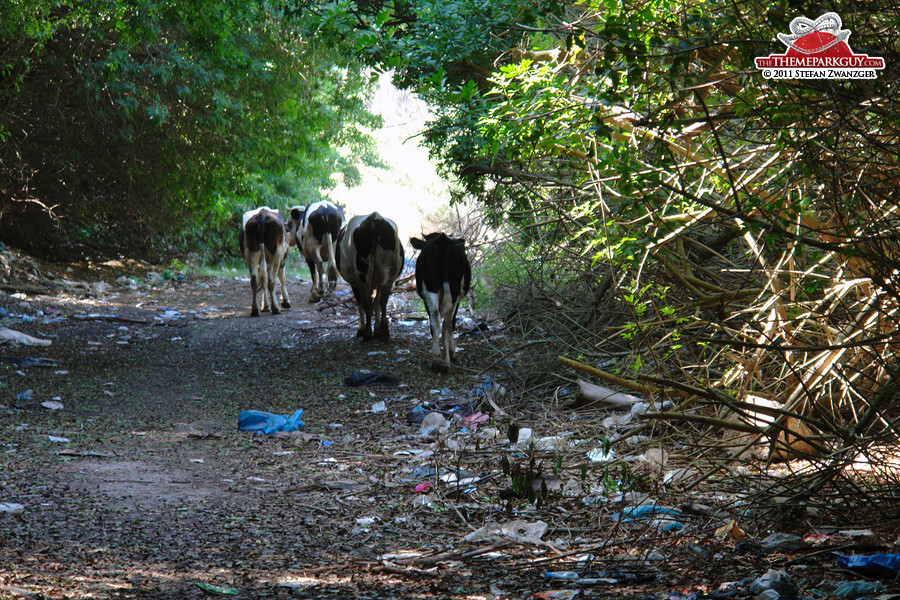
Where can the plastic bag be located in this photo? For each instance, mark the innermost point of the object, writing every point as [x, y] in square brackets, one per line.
[874, 565]
[268, 423]
[358, 378]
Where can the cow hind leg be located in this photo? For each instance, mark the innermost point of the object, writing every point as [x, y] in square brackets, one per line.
[381, 299]
[331, 272]
[332, 276]
[269, 287]
[452, 328]
[285, 299]
[364, 305]
[253, 260]
[254, 288]
[315, 275]
[432, 307]
[447, 332]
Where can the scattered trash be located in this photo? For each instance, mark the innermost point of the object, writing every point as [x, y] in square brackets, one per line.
[24, 396]
[217, 590]
[11, 508]
[268, 423]
[474, 420]
[645, 511]
[459, 478]
[783, 541]
[518, 530]
[592, 393]
[873, 565]
[417, 414]
[127, 282]
[567, 575]
[856, 533]
[52, 405]
[433, 422]
[482, 388]
[359, 378]
[423, 488]
[855, 589]
[15, 337]
[379, 407]
[816, 539]
[663, 515]
[525, 436]
[600, 455]
[553, 442]
[778, 581]
[58, 440]
[578, 579]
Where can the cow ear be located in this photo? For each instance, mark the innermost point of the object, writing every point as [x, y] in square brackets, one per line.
[416, 243]
[297, 213]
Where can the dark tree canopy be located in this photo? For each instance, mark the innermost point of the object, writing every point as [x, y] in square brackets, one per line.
[144, 126]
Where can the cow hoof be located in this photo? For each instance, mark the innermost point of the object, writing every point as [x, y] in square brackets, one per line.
[313, 298]
[275, 310]
[285, 305]
[254, 312]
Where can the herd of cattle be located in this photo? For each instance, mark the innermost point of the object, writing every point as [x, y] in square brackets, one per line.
[367, 252]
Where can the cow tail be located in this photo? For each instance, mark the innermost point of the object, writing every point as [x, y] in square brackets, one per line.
[329, 244]
[260, 225]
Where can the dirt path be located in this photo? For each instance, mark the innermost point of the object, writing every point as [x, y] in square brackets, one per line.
[157, 489]
[156, 493]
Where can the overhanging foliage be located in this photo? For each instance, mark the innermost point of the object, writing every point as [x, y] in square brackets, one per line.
[143, 126]
[730, 237]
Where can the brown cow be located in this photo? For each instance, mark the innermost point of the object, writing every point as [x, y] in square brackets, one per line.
[264, 245]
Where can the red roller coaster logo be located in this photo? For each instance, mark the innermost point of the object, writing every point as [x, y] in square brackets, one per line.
[818, 50]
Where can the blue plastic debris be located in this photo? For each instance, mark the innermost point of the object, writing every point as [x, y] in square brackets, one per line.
[644, 511]
[665, 516]
[873, 565]
[482, 388]
[268, 423]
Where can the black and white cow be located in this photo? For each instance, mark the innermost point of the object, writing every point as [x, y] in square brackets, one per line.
[370, 258]
[443, 277]
[314, 230]
[263, 241]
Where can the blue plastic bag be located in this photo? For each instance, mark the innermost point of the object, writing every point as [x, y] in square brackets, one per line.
[268, 423]
[645, 511]
[874, 565]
